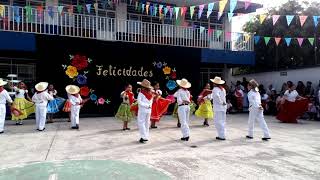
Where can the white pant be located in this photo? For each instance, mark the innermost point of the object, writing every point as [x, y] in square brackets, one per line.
[257, 114]
[41, 115]
[220, 122]
[143, 124]
[184, 116]
[2, 116]
[75, 112]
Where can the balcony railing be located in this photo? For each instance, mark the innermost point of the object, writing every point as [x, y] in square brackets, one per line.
[51, 22]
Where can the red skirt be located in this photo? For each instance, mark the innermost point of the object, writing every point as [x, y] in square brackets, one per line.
[159, 107]
[290, 111]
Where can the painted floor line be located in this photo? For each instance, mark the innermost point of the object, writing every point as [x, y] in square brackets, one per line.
[54, 137]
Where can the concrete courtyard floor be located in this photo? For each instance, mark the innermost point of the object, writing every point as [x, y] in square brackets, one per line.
[293, 152]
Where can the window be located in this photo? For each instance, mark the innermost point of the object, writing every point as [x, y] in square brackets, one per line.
[25, 69]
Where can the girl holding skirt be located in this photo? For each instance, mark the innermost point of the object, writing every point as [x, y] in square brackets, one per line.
[205, 109]
[55, 105]
[124, 112]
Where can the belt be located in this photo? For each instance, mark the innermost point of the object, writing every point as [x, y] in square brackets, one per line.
[184, 104]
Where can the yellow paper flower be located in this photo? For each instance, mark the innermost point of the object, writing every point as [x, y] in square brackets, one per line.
[166, 70]
[71, 71]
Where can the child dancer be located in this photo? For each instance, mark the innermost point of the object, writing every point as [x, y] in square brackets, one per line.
[54, 105]
[183, 99]
[26, 107]
[67, 107]
[4, 98]
[41, 98]
[145, 98]
[76, 103]
[256, 111]
[124, 113]
[159, 105]
[205, 107]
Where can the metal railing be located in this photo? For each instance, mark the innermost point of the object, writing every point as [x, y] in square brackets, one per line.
[51, 22]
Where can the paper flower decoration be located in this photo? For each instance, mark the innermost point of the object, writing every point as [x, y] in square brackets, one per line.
[171, 85]
[173, 75]
[93, 97]
[159, 65]
[71, 72]
[171, 98]
[81, 79]
[166, 70]
[80, 62]
[101, 101]
[84, 91]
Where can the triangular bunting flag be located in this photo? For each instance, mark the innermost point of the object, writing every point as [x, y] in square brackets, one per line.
[256, 39]
[171, 12]
[230, 15]
[288, 41]
[176, 10]
[70, 9]
[266, 40]
[247, 3]
[142, 7]
[183, 11]
[219, 15]
[96, 6]
[130, 2]
[202, 29]
[79, 8]
[192, 11]
[311, 40]
[277, 39]
[218, 33]
[155, 12]
[50, 11]
[1, 10]
[228, 36]
[246, 37]
[147, 7]
[60, 9]
[210, 6]
[275, 18]
[137, 6]
[289, 19]
[201, 7]
[233, 4]
[160, 9]
[316, 20]
[303, 19]
[88, 6]
[151, 10]
[28, 13]
[300, 41]
[222, 5]
[262, 17]
[166, 10]
[210, 31]
[208, 14]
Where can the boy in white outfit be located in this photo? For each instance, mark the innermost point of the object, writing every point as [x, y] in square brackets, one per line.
[76, 103]
[219, 107]
[145, 99]
[4, 98]
[256, 111]
[41, 98]
[183, 100]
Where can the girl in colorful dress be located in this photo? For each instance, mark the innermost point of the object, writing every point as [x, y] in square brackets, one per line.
[239, 96]
[26, 107]
[159, 106]
[67, 107]
[205, 109]
[183, 99]
[41, 98]
[54, 105]
[145, 99]
[76, 103]
[4, 98]
[256, 111]
[124, 113]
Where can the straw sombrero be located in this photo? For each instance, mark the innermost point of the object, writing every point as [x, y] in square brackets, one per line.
[41, 86]
[254, 84]
[2, 82]
[145, 83]
[184, 83]
[217, 80]
[72, 89]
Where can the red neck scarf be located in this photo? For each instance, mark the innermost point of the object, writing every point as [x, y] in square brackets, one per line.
[221, 87]
[131, 96]
[1, 89]
[147, 94]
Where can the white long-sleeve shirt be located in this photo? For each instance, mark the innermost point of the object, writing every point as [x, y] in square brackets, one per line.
[254, 99]
[75, 101]
[144, 104]
[41, 99]
[182, 95]
[291, 96]
[219, 99]
[5, 97]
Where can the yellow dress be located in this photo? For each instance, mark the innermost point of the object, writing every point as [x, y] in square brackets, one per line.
[205, 110]
[24, 106]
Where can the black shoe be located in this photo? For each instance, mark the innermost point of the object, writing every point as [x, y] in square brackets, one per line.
[206, 124]
[41, 130]
[249, 137]
[178, 125]
[221, 139]
[265, 139]
[142, 140]
[20, 123]
[75, 127]
[1, 132]
[124, 129]
[153, 127]
[185, 139]
[128, 129]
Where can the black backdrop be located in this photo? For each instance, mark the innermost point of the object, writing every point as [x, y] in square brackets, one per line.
[53, 51]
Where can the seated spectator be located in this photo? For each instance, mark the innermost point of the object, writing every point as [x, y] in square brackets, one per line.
[309, 91]
[312, 110]
[271, 107]
[301, 89]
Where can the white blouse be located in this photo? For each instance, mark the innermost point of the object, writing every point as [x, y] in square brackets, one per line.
[53, 93]
[291, 96]
[20, 93]
[182, 95]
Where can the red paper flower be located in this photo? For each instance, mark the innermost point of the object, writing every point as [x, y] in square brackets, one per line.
[84, 91]
[173, 75]
[80, 62]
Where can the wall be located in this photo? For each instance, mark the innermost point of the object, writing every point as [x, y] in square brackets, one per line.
[274, 78]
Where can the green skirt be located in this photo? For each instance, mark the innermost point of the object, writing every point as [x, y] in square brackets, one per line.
[124, 113]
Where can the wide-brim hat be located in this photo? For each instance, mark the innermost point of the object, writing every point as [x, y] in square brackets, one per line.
[217, 80]
[41, 86]
[184, 83]
[2, 82]
[254, 84]
[72, 89]
[145, 83]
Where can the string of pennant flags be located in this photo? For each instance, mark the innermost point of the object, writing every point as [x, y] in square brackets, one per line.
[287, 40]
[289, 19]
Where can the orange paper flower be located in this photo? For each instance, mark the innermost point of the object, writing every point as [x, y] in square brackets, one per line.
[72, 71]
[166, 70]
